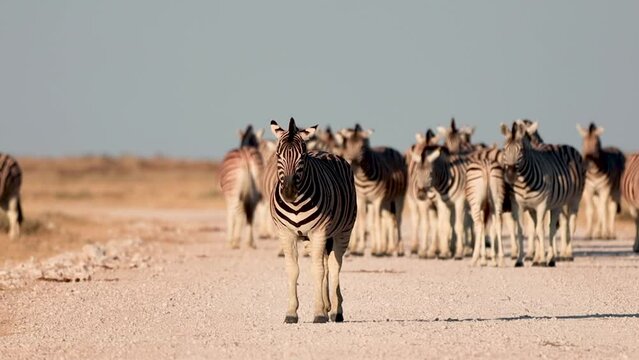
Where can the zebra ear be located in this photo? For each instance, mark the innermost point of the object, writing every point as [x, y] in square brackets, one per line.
[583, 132]
[366, 133]
[433, 156]
[505, 130]
[599, 131]
[420, 138]
[442, 131]
[468, 130]
[307, 133]
[339, 139]
[259, 134]
[532, 128]
[276, 129]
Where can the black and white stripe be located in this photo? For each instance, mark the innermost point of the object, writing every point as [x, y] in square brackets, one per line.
[604, 167]
[546, 179]
[630, 191]
[10, 183]
[240, 176]
[486, 194]
[314, 197]
[381, 180]
[446, 174]
[421, 201]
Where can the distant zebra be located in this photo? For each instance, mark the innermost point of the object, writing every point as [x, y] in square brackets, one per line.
[548, 178]
[446, 174]
[263, 212]
[314, 197]
[457, 141]
[324, 140]
[486, 193]
[604, 168]
[420, 201]
[239, 179]
[381, 180]
[10, 182]
[630, 190]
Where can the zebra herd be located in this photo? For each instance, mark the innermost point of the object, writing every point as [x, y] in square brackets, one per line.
[339, 193]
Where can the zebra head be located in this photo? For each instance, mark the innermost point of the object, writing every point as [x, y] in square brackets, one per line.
[591, 146]
[532, 128]
[355, 143]
[455, 139]
[291, 157]
[517, 140]
[248, 137]
[427, 161]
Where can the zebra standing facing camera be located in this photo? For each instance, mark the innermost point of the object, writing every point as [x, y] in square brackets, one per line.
[10, 182]
[315, 198]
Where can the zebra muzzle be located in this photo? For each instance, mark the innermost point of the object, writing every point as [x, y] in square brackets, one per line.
[289, 190]
[422, 194]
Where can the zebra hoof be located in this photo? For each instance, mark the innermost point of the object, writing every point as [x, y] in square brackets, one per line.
[551, 263]
[290, 319]
[519, 264]
[459, 257]
[320, 319]
[337, 318]
[529, 258]
[400, 254]
[414, 252]
[567, 258]
[281, 254]
[537, 263]
[445, 256]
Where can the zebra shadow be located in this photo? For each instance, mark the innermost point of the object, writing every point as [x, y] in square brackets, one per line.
[504, 319]
[606, 253]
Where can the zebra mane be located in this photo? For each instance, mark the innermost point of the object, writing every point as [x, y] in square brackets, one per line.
[248, 137]
[592, 128]
[292, 130]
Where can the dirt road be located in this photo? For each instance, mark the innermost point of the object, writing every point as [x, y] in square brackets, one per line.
[198, 299]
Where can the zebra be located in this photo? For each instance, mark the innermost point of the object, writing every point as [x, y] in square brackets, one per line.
[421, 204]
[486, 194]
[457, 141]
[262, 212]
[239, 179]
[630, 191]
[325, 140]
[446, 174]
[546, 179]
[10, 183]
[314, 197]
[604, 168]
[381, 178]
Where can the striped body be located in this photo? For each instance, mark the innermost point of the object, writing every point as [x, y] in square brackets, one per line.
[486, 193]
[545, 179]
[445, 173]
[240, 176]
[630, 191]
[421, 202]
[604, 167]
[314, 197]
[381, 179]
[10, 183]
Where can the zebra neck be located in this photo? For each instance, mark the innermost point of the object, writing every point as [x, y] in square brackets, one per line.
[442, 178]
[367, 168]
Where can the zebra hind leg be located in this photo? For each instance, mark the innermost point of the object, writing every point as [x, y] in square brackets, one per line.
[635, 215]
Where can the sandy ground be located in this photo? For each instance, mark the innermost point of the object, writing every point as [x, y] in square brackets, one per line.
[195, 298]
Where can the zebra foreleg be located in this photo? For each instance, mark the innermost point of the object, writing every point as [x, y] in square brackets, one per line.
[459, 230]
[443, 227]
[416, 223]
[602, 218]
[635, 215]
[318, 253]
[13, 215]
[288, 242]
[612, 215]
[497, 241]
[588, 197]
[552, 236]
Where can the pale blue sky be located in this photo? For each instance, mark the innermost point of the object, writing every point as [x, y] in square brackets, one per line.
[179, 77]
